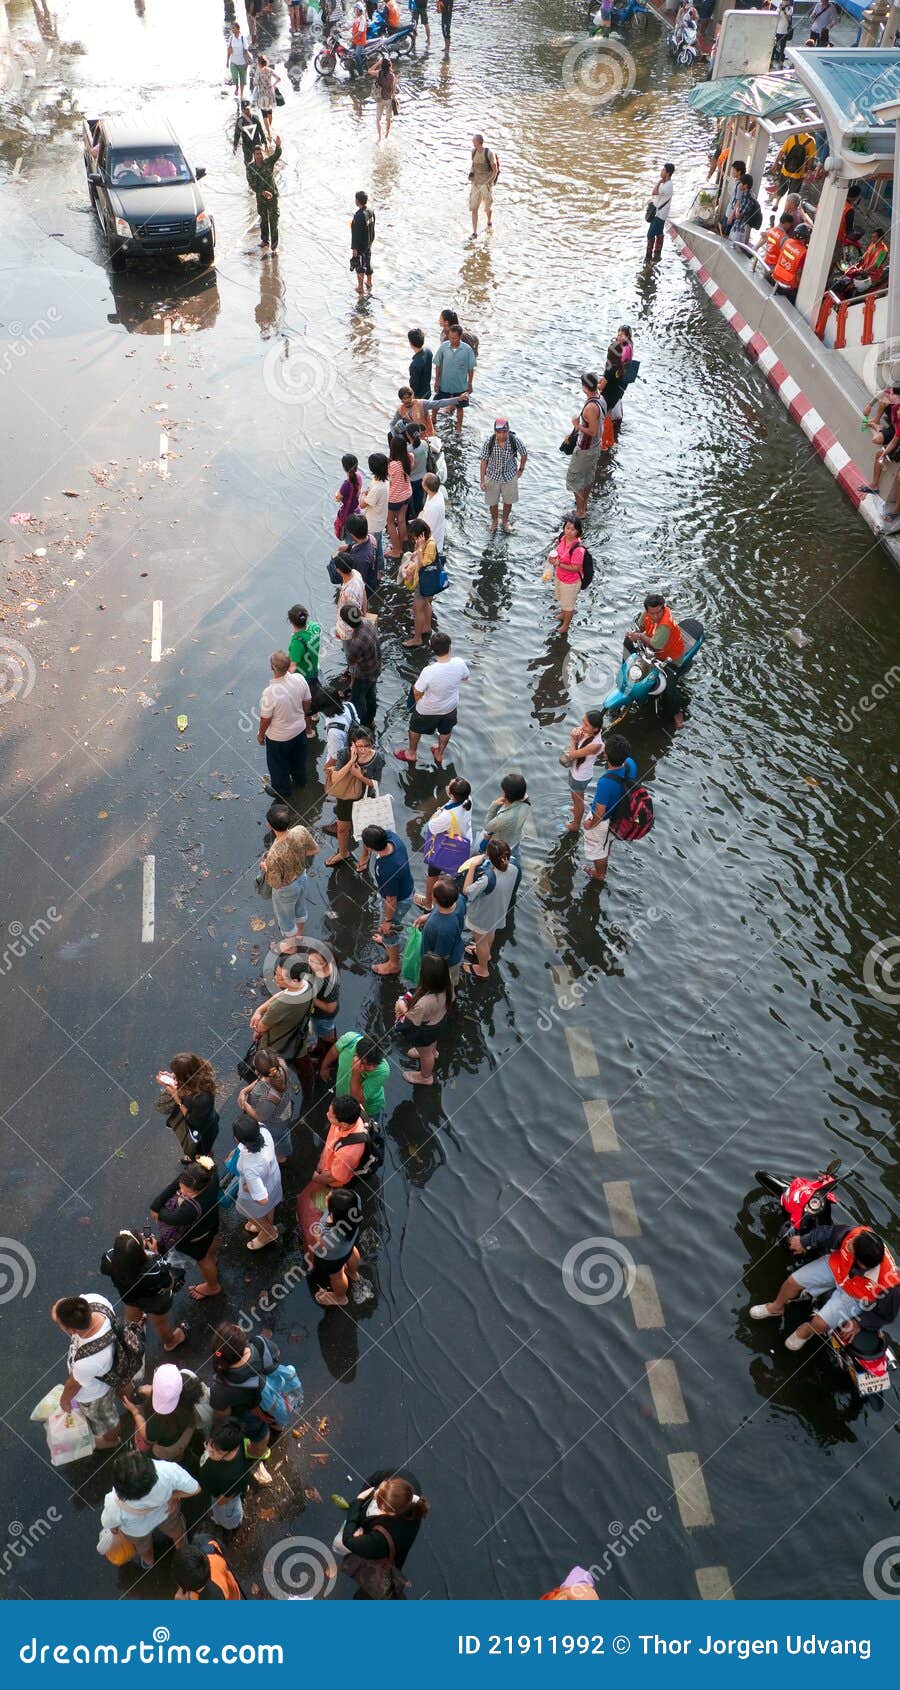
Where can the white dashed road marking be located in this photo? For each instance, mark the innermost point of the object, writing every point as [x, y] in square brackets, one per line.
[666, 1392]
[690, 1490]
[581, 1050]
[714, 1584]
[645, 1304]
[622, 1212]
[148, 902]
[600, 1124]
[156, 632]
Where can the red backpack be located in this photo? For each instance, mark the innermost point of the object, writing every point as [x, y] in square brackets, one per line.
[632, 815]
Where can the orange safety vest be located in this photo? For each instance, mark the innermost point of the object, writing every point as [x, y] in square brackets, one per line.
[393, 14]
[219, 1574]
[789, 263]
[858, 1284]
[775, 239]
[674, 646]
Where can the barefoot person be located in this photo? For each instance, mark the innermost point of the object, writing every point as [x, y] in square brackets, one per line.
[435, 700]
[620, 774]
[395, 886]
[490, 882]
[584, 747]
[421, 1016]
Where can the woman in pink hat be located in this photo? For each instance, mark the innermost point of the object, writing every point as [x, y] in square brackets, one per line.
[169, 1412]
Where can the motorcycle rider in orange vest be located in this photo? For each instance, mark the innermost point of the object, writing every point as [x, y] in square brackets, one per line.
[859, 1271]
[658, 635]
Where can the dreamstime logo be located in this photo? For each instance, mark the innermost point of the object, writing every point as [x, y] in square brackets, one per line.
[597, 72]
[299, 1567]
[17, 671]
[22, 939]
[598, 1270]
[17, 1270]
[19, 1538]
[880, 970]
[881, 1570]
[294, 373]
[20, 341]
[622, 1538]
[870, 700]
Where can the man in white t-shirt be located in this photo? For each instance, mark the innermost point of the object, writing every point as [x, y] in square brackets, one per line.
[236, 58]
[434, 511]
[87, 1323]
[282, 726]
[436, 696]
[146, 1498]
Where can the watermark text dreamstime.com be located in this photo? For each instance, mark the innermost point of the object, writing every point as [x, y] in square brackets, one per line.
[869, 701]
[20, 340]
[19, 1539]
[23, 939]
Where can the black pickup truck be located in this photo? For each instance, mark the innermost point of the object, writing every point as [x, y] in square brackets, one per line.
[144, 191]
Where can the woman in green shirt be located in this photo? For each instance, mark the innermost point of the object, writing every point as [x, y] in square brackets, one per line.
[303, 650]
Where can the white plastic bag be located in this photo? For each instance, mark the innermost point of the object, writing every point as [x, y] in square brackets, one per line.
[373, 811]
[48, 1405]
[69, 1437]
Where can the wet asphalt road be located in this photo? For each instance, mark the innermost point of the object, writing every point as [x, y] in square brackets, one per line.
[725, 998]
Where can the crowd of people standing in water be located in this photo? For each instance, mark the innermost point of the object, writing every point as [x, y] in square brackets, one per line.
[184, 1446]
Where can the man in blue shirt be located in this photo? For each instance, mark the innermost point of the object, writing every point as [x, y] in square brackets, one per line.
[454, 372]
[620, 775]
[444, 926]
[394, 881]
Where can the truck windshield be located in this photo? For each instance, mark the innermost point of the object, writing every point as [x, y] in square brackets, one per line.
[147, 167]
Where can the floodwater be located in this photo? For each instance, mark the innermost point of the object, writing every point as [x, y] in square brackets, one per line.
[722, 975]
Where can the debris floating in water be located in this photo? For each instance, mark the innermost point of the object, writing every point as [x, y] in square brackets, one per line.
[797, 638]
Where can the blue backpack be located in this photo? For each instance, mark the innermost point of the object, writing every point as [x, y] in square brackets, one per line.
[282, 1394]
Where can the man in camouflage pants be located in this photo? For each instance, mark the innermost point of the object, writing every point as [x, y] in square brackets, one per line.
[261, 178]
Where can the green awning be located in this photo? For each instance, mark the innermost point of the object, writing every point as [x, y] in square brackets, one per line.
[748, 96]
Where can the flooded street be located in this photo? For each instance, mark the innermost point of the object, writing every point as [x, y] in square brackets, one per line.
[725, 1014]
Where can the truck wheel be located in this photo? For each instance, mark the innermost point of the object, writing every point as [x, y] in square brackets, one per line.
[206, 252]
[117, 260]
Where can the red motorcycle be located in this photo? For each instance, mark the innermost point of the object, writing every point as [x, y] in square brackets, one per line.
[868, 1358]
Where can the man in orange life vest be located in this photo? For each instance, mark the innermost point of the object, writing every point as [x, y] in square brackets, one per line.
[859, 1271]
[658, 635]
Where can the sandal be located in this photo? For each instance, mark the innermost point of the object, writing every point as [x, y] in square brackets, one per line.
[340, 857]
[403, 756]
[262, 1243]
[328, 1300]
[420, 900]
[184, 1327]
[200, 1291]
[468, 968]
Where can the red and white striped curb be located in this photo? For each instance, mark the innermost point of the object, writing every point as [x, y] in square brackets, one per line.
[824, 443]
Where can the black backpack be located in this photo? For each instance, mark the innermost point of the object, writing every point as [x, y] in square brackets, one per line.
[587, 570]
[370, 224]
[374, 1138]
[492, 159]
[795, 158]
[754, 220]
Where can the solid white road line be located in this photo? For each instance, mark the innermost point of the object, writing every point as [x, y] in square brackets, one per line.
[167, 332]
[600, 1125]
[714, 1584]
[645, 1304]
[690, 1490]
[156, 632]
[17, 166]
[148, 902]
[581, 1050]
[666, 1393]
[622, 1212]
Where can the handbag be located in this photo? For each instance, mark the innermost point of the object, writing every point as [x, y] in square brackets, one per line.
[395, 105]
[571, 441]
[411, 960]
[279, 97]
[382, 1581]
[433, 579]
[446, 851]
[650, 212]
[375, 811]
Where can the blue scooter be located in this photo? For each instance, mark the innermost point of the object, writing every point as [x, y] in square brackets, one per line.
[643, 677]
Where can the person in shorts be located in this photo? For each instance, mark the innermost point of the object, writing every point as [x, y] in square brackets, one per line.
[620, 774]
[88, 1325]
[419, 9]
[584, 747]
[362, 234]
[435, 700]
[483, 173]
[503, 459]
[236, 58]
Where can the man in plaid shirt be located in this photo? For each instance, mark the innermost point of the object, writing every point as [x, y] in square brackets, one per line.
[363, 653]
[503, 458]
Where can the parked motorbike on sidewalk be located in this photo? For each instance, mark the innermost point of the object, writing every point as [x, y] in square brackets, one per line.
[805, 1203]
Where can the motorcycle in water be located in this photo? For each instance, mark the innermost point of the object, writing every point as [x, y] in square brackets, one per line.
[868, 1358]
[623, 12]
[337, 52]
[643, 676]
[682, 43]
